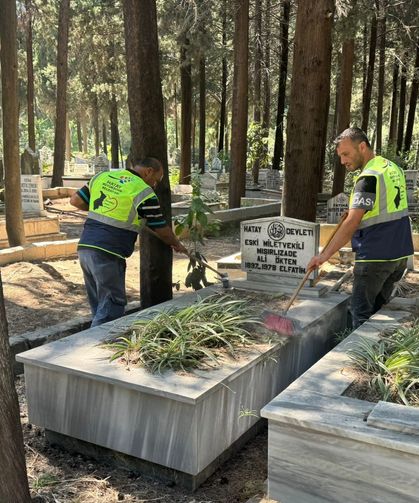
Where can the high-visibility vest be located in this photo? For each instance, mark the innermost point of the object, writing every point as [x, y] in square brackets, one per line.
[390, 207]
[115, 196]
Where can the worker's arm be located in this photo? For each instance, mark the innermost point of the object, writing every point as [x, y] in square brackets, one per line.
[80, 199]
[167, 236]
[342, 236]
[150, 211]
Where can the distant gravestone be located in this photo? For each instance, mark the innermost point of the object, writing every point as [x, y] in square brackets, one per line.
[216, 165]
[276, 251]
[207, 181]
[182, 189]
[336, 207]
[273, 179]
[411, 176]
[31, 188]
[29, 162]
[100, 163]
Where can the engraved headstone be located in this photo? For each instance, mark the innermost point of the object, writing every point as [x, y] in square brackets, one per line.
[31, 188]
[336, 207]
[278, 249]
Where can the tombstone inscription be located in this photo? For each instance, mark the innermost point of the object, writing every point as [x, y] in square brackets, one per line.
[336, 207]
[31, 189]
[278, 248]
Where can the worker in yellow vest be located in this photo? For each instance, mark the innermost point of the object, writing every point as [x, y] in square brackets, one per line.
[119, 204]
[377, 222]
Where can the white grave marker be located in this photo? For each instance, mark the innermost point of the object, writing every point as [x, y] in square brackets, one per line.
[336, 207]
[278, 246]
[411, 176]
[31, 187]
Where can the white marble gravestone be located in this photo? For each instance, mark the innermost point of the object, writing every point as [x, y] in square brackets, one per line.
[274, 179]
[216, 165]
[31, 188]
[208, 181]
[276, 250]
[411, 176]
[336, 207]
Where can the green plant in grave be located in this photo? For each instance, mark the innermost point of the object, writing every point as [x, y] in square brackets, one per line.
[196, 223]
[392, 364]
[180, 339]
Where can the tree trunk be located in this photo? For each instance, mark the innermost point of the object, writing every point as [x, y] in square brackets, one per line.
[237, 184]
[84, 132]
[67, 139]
[9, 74]
[30, 78]
[392, 135]
[13, 478]
[96, 124]
[104, 137]
[79, 135]
[402, 102]
[223, 81]
[61, 102]
[344, 107]
[202, 85]
[145, 103]
[193, 132]
[266, 72]
[309, 107]
[186, 114]
[257, 78]
[381, 70]
[364, 55]
[114, 133]
[413, 101]
[366, 98]
[283, 71]
[176, 121]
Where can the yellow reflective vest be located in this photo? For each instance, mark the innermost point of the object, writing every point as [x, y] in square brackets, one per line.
[384, 232]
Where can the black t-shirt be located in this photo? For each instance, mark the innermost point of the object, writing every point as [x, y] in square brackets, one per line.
[365, 193]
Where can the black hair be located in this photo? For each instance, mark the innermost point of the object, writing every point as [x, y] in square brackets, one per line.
[353, 133]
[148, 162]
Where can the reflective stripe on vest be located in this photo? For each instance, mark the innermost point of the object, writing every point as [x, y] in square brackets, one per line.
[386, 174]
[114, 198]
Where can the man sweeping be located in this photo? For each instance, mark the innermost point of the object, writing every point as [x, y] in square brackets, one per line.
[377, 222]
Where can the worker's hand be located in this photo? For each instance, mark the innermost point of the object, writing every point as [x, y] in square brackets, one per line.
[315, 262]
[178, 247]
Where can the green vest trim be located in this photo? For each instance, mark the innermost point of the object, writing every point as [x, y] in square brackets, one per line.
[391, 196]
[115, 197]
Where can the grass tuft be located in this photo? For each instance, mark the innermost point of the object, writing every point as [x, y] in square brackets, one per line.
[181, 339]
[392, 364]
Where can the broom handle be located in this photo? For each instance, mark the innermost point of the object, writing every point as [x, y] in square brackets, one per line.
[309, 271]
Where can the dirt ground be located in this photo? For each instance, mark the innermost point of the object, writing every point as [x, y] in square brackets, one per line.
[44, 293]
[41, 294]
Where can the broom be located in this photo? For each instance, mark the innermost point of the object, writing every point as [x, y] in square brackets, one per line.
[282, 324]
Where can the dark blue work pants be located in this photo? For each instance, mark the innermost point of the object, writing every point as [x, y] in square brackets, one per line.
[104, 277]
[373, 284]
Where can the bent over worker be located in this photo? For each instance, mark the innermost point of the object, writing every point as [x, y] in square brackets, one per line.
[119, 203]
[377, 222]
